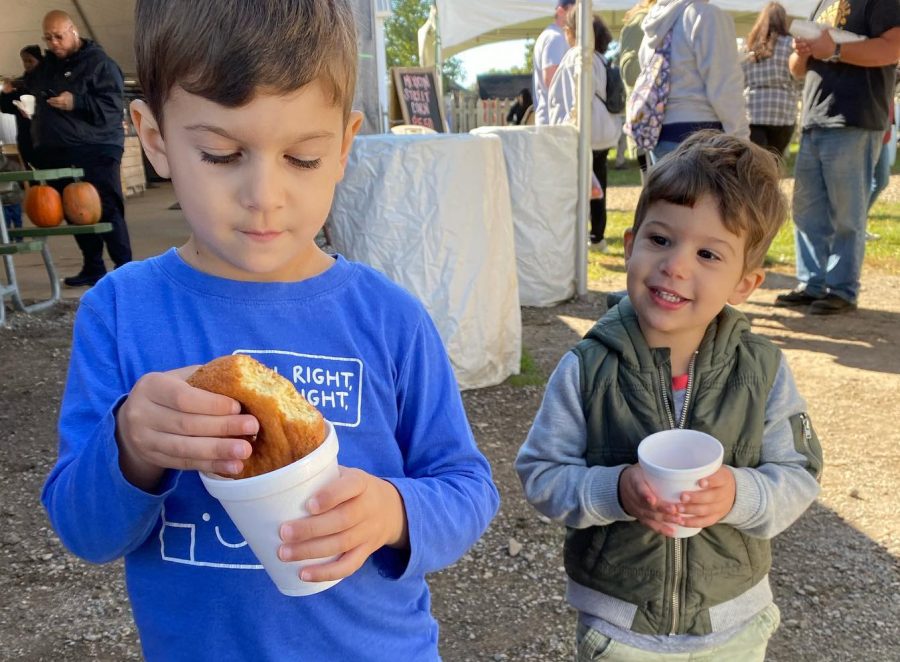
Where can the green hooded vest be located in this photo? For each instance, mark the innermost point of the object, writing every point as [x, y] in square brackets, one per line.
[626, 395]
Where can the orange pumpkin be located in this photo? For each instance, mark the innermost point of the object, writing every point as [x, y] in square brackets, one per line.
[44, 206]
[81, 203]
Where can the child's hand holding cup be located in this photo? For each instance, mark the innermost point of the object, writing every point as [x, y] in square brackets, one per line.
[673, 461]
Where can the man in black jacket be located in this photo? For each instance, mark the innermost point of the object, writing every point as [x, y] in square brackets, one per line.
[78, 122]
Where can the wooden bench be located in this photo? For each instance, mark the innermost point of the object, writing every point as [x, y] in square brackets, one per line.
[21, 247]
[35, 241]
[58, 231]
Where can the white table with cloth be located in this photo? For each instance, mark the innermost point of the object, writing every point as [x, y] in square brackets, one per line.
[542, 165]
[432, 212]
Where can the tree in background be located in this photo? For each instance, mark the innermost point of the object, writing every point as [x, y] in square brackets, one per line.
[401, 37]
[529, 57]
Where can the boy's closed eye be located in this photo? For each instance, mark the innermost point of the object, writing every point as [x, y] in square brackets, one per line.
[233, 157]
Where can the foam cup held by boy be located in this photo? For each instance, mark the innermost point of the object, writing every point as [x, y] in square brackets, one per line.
[294, 455]
[673, 461]
[259, 505]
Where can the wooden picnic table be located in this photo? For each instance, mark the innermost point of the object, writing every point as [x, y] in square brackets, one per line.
[33, 240]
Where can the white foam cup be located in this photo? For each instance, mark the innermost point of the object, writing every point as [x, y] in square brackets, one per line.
[259, 505]
[674, 460]
[27, 101]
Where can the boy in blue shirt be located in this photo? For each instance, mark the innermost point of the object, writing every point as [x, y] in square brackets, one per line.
[674, 353]
[247, 110]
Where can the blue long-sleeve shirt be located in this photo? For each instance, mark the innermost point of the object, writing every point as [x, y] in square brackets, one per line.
[359, 348]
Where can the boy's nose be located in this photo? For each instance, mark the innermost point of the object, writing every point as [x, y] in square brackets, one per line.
[676, 264]
[264, 191]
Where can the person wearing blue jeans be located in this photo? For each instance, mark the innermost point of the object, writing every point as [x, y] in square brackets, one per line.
[832, 181]
[882, 175]
[845, 114]
[880, 179]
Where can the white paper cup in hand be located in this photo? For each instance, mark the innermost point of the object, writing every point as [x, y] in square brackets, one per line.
[674, 460]
[26, 102]
[259, 505]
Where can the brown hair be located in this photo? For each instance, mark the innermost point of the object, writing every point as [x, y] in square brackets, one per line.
[741, 177]
[771, 24]
[225, 50]
[602, 35]
[642, 6]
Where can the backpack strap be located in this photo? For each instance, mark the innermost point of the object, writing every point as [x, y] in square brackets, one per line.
[606, 69]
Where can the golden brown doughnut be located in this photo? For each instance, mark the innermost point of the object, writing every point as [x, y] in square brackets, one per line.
[289, 427]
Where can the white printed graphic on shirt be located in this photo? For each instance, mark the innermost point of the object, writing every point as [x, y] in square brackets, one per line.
[207, 543]
[200, 533]
[333, 384]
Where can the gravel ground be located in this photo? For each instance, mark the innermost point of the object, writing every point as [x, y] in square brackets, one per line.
[836, 574]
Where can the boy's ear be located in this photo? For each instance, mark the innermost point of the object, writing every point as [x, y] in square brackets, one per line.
[149, 132]
[629, 242]
[746, 285]
[354, 123]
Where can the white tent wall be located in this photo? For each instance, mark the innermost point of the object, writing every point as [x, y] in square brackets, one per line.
[464, 24]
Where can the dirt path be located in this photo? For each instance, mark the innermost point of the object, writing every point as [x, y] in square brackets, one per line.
[836, 575]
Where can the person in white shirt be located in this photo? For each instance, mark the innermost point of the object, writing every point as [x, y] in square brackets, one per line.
[548, 52]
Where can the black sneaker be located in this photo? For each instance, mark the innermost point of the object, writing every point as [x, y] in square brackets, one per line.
[831, 305]
[82, 279]
[795, 298]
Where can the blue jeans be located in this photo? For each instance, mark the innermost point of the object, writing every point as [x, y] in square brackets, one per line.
[882, 175]
[662, 148]
[832, 182]
[13, 215]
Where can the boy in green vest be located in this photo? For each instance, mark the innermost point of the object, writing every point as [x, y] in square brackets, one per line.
[673, 352]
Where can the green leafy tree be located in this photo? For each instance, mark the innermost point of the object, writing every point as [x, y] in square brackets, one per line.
[401, 37]
[528, 67]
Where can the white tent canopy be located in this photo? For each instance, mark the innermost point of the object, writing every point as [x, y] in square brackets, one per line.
[464, 24]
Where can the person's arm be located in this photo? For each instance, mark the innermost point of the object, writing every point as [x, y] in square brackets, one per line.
[771, 496]
[561, 93]
[552, 55]
[876, 52]
[447, 491]
[102, 104]
[717, 61]
[9, 94]
[551, 463]
[549, 73]
[97, 513]
[799, 61]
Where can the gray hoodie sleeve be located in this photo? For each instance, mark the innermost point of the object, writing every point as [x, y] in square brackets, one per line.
[771, 496]
[551, 463]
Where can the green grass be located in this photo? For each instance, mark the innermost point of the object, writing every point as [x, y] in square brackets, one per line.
[529, 373]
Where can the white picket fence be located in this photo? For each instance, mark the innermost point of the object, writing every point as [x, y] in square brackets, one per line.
[467, 113]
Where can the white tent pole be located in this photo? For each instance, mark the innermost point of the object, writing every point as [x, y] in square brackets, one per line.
[585, 93]
[439, 62]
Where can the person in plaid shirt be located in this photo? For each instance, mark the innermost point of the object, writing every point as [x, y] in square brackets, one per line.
[771, 92]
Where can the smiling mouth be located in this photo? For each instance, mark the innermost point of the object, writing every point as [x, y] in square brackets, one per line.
[667, 296]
